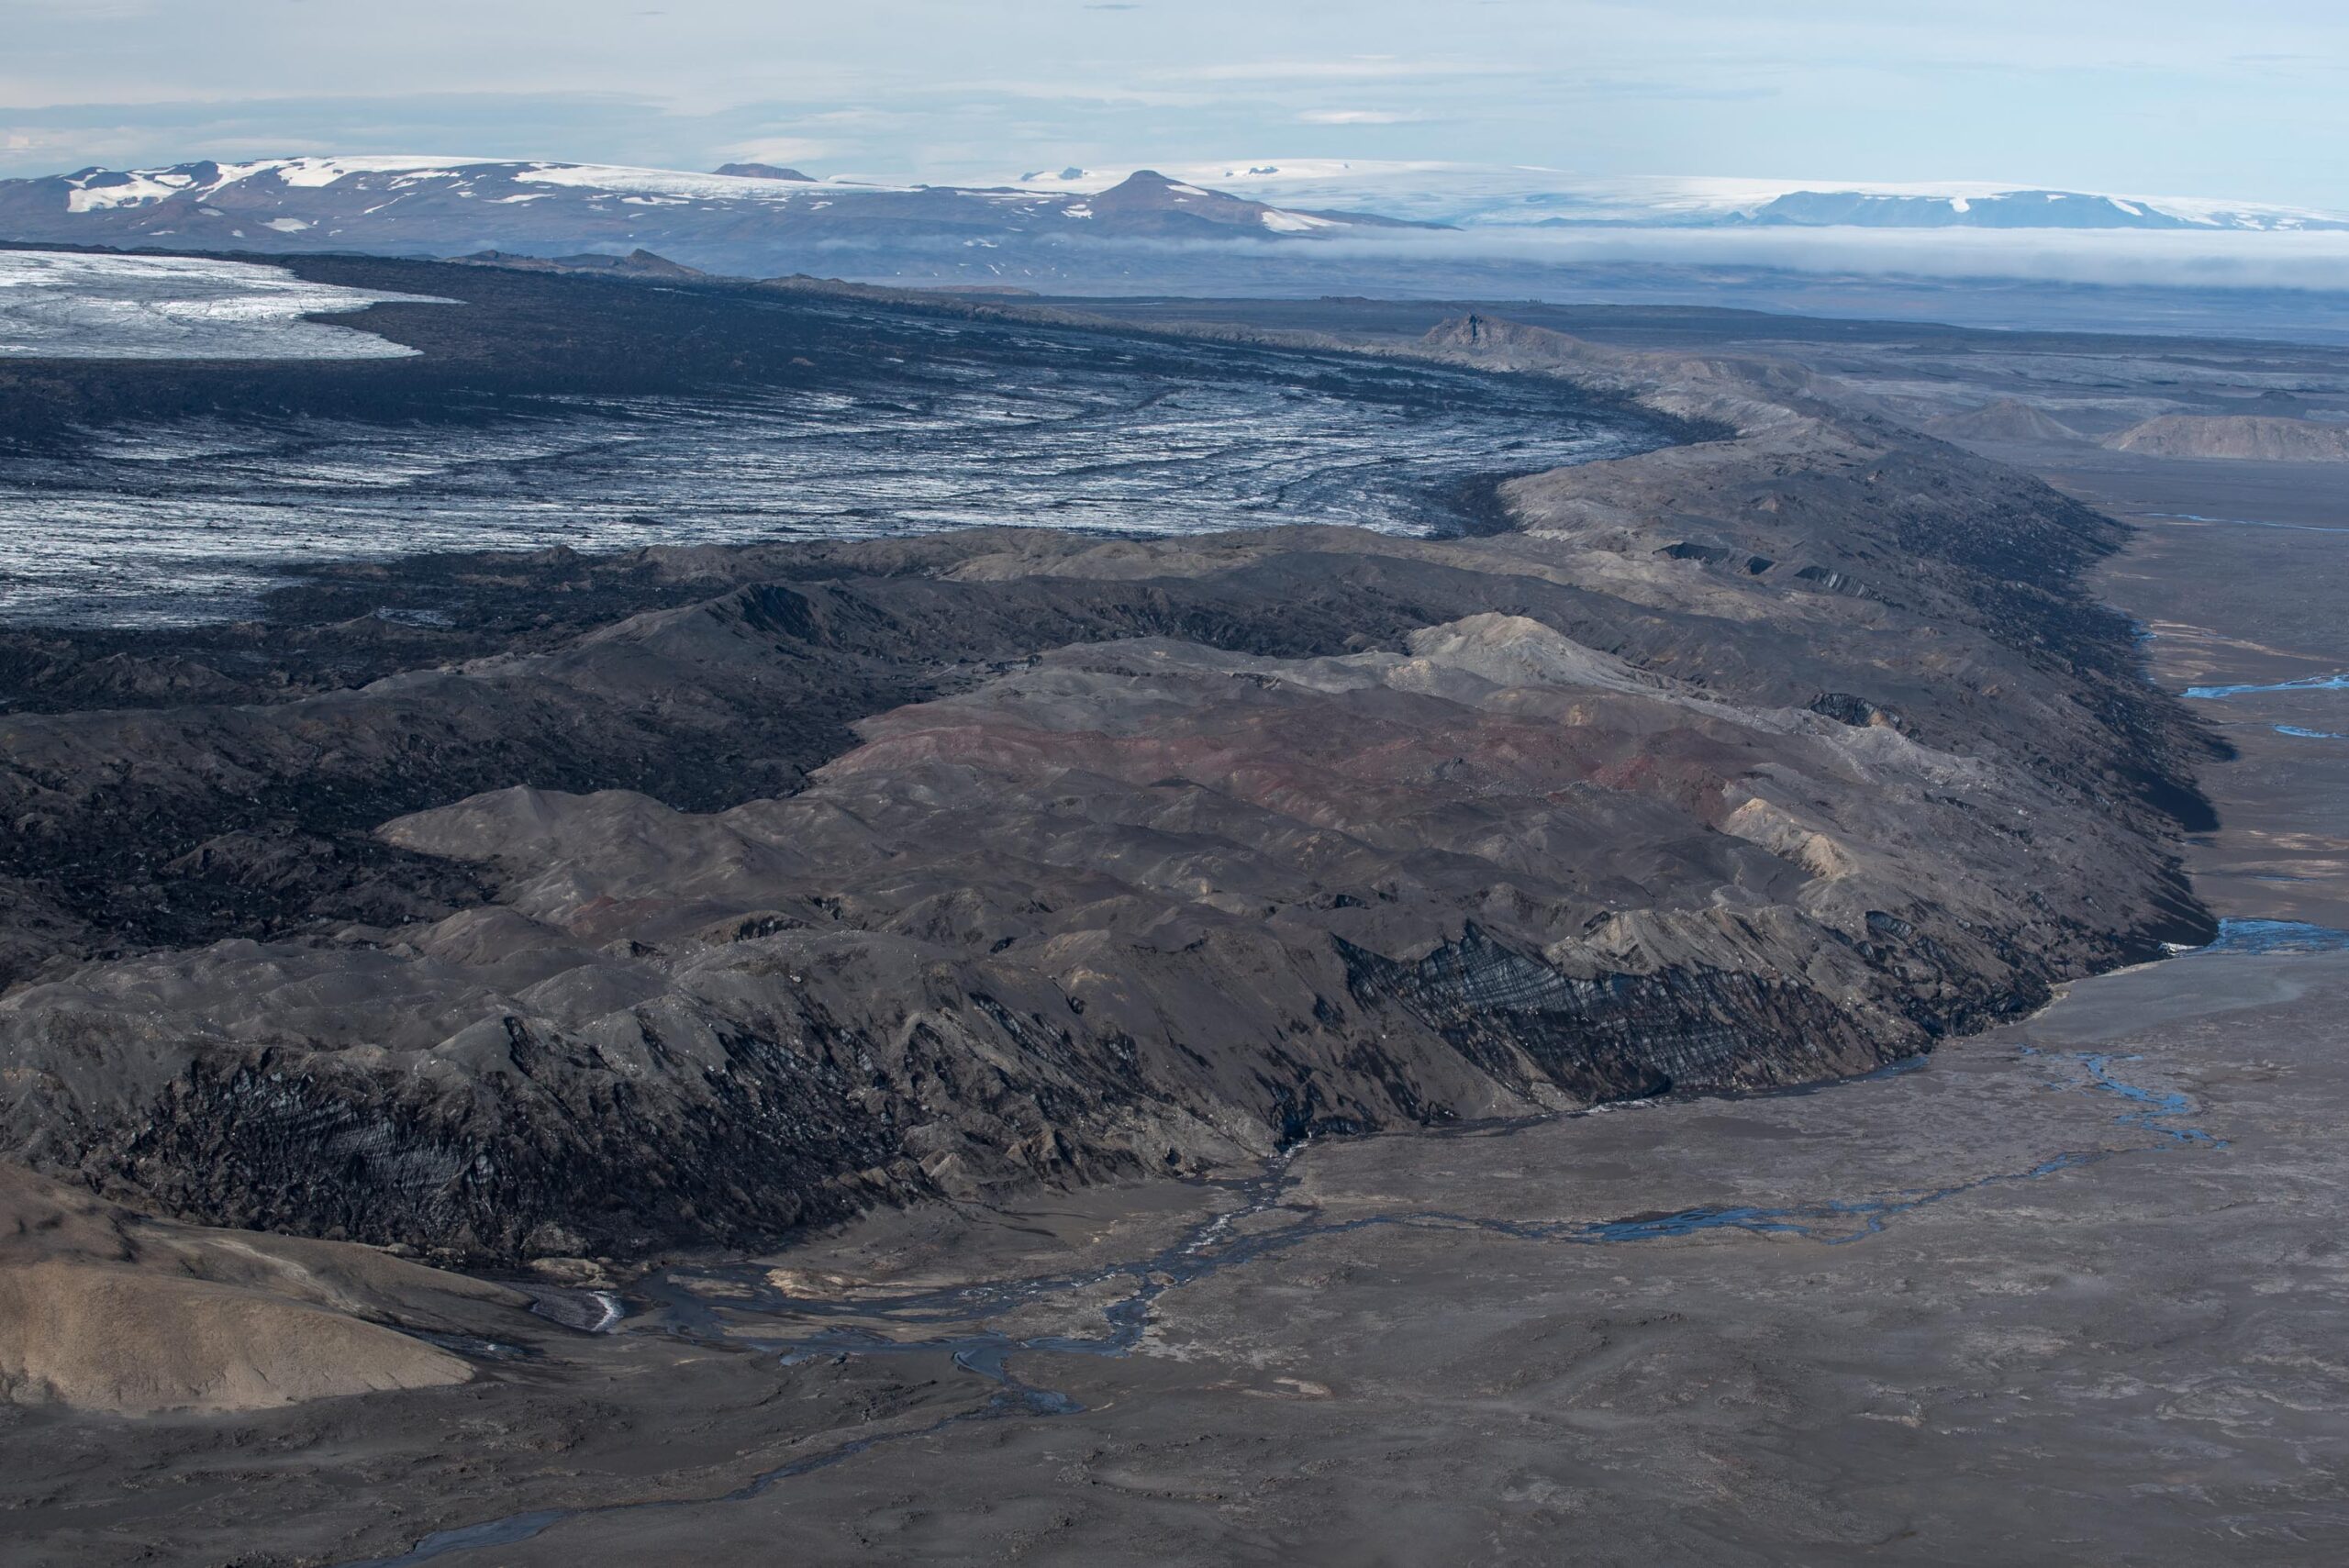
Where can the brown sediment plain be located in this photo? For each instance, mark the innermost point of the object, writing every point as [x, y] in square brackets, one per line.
[2068, 1293]
[2241, 580]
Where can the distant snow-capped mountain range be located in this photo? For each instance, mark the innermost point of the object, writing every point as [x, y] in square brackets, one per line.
[444, 205]
[760, 219]
[1466, 196]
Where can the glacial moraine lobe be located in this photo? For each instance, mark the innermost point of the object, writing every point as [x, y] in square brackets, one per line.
[707, 893]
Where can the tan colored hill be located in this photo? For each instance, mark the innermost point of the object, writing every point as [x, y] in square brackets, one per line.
[2243, 436]
[105, 1310]
[2007, 419]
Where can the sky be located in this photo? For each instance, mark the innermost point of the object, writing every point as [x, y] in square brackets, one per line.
[2247, 100]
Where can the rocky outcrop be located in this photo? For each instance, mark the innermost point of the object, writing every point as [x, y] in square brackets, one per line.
[861, 872]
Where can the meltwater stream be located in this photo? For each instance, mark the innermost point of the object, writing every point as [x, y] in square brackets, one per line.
[668, 1301]
[2334, 683]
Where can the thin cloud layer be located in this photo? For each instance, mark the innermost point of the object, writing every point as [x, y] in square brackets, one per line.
[2245, 101]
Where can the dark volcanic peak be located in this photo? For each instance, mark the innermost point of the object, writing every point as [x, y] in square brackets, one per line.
[761, 171]
[639, 263]
[1148, 201]
[744, 219]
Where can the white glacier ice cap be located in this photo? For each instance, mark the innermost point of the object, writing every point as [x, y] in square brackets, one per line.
[60, 304]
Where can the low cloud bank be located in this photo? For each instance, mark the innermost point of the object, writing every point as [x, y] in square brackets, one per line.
[2316, 262]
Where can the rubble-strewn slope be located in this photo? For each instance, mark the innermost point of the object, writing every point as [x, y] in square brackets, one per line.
[898, 868]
